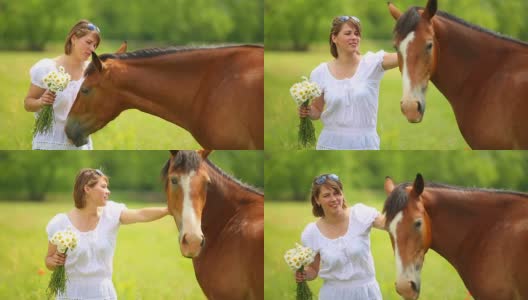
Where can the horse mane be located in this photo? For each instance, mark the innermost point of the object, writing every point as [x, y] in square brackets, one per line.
[407, 22]
[398, 199]
[152, 52]
[190, 160]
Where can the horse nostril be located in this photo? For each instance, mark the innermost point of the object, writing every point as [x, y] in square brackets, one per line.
[203, 241]
[184, 240]
[419, 106]
[414, 287]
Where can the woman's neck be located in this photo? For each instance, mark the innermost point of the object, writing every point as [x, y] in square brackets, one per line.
[336, 217]
[71, 62]
[88, 211]
[348, 59]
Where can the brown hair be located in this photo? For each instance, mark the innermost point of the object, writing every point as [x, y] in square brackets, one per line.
[82, 28]
[337, 24]
[85, 177]
[336, 186]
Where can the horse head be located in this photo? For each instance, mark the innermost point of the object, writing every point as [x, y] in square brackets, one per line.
[95, 104]
[186, 182]
[417, 48]
[409, 227]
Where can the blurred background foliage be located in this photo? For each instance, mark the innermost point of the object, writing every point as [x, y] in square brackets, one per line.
[31, 24]
[289, 174]
[40, 175]
[296, 24]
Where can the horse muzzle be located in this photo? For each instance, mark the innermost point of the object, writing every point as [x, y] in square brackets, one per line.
[413, 110]
[75, 132]
[191, 244]
[408, 289]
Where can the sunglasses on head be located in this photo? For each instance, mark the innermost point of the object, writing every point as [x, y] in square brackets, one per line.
[346, 18]
[92, 27]
[322, 179]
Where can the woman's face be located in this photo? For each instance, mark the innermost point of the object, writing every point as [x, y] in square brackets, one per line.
[331, 201]
[347, 40]
[99, 193]
[84, 46]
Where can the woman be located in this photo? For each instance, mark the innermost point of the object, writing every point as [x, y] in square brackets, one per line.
[348, 106]
[82, 40]
[341, 238]
[96, 221]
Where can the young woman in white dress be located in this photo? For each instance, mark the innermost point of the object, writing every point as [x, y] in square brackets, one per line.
[81, 41]
[348, 106]
[341, 238]
[96, 221]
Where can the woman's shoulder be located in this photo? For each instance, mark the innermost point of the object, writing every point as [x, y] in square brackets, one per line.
[373, 57]
[45, 63]
[309, 231]
[58, 222]
[363, 213]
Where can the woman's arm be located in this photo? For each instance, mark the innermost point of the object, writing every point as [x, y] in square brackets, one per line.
[314, 110]
[37, 97]
[53, 258]
[148, 214]
[390, 61]
[310, 271]
[379, 222]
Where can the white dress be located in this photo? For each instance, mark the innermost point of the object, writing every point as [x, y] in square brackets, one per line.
[346, 264]
[89, 266]
[351, 105]
[56, 139]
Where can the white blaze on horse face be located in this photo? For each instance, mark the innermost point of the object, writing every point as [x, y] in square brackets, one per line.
[191, 224]
[392, 228]
[404, 45]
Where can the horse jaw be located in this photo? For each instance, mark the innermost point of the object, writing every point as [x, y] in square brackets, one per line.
[75, 133]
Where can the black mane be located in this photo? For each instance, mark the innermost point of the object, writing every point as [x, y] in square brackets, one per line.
[407, 22]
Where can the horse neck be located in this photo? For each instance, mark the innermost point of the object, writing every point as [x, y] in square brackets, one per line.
[166, 84]
[225, 203]
[464, 55]
[457, 217]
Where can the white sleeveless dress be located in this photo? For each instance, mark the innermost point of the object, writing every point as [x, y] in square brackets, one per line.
[351, 105]
[346, 264]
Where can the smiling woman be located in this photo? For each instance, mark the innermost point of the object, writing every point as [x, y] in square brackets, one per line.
[83, 38]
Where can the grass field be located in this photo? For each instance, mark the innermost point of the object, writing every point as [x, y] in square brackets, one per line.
[284, 223]
[147, 261]
[132, 129]
[437, 131]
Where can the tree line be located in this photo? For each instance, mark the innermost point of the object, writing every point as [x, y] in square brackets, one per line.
[295, 24]
[289, 175]
[31, 175]
[31, 24]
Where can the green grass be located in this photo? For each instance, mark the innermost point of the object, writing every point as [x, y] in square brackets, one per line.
[284, 222]
[147, 260]
[133, 129]
[437, 131]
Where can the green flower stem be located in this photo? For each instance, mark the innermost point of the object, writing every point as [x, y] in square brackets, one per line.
[57, 284]
[306, 131]
[303, 290]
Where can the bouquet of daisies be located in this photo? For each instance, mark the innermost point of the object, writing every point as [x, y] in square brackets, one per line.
[64, 240]
[303, 92]
[56, 82]
[297, 258]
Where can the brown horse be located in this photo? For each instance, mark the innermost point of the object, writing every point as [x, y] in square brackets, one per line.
[215, 93]
[482, 74]
[221, 226]
[482, 233]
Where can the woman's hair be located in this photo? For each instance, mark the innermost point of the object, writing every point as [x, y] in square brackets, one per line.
[85, 177]
[82, 28]
[329, 183]
[337, 24]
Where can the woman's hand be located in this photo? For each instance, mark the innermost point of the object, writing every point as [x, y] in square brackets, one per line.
[47, 98]
[305, 111]
[57, 259]
[300, 276]
[307, 274]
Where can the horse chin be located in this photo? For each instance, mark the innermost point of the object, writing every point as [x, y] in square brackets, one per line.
[75, 133]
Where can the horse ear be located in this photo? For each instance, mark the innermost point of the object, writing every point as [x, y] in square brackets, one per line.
[430, 10]
[122, 48]
[394, 11]
[389, 185]
[173, 152]
[418, 185]
[204, 153]
[97, 62]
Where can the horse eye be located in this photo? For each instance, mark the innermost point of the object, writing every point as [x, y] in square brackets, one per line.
[418, 224]
[84, 90]
[395, 48]
[174, 180]
[429, 46]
